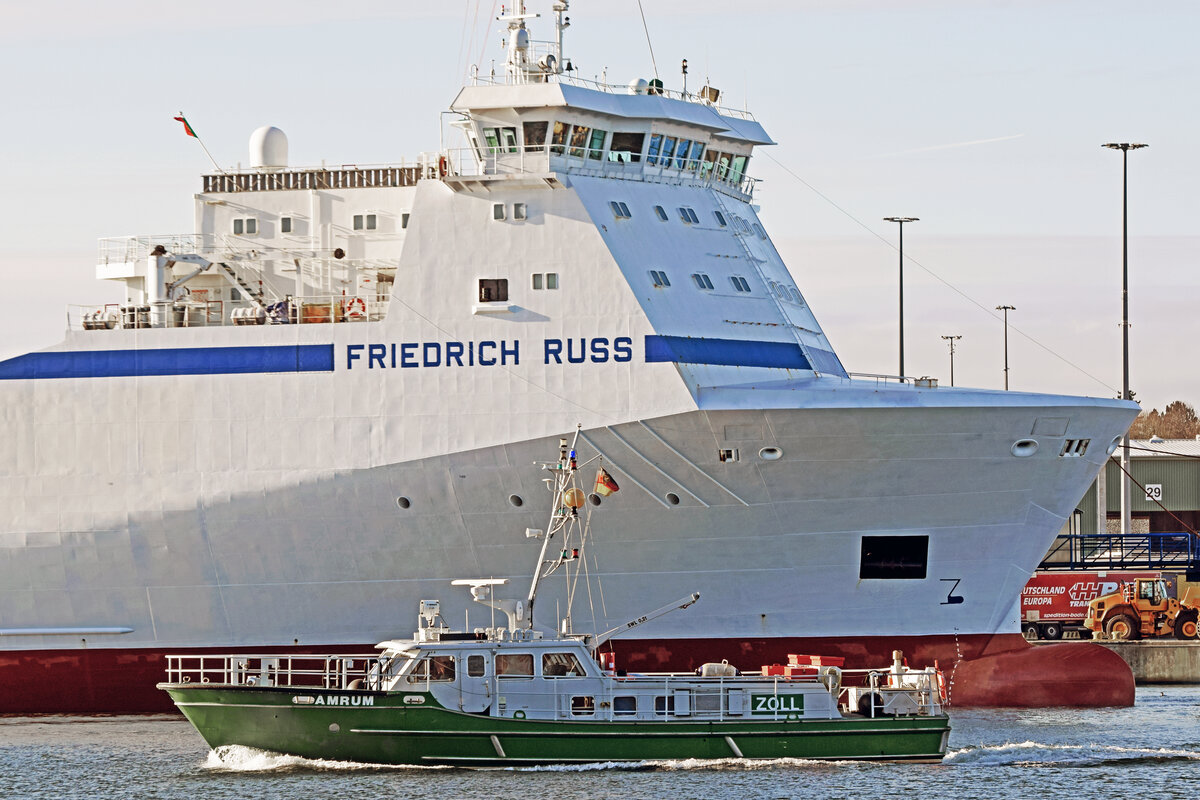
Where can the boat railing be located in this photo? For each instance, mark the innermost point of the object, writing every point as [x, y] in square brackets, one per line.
[538, 49]
[195, 310]
[291, 671]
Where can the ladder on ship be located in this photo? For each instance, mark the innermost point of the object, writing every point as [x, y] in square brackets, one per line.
[1136, 551]
[255, 296]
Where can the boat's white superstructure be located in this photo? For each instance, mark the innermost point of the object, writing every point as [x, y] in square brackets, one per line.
[306, 413]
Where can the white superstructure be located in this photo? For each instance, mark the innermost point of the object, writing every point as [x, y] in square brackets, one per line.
[320, 405]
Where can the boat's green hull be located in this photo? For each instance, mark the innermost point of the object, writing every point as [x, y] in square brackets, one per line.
[388, 731]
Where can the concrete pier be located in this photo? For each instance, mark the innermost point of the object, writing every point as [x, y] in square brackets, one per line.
[1159, 661]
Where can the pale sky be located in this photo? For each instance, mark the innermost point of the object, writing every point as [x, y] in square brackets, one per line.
[983, 118]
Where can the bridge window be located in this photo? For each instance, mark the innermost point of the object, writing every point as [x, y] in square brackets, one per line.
[894, 557]
[434, 668]
[365, 222]
[739, 283]
[245, 226]
[493, 290]
[681, 153]
[668, 150]
[697, 153]
[535, 134]
[710, 163]
[626, 147]
[702, 281]
[722, 166]
[655, 147]
[560, 137]
[738, 170]
[561, 665]
[579, 139]
[514, 665]
[596, 146]
[659, 278]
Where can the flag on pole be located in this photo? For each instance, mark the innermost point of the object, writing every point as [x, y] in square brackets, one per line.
[186, 128]
[605, 485]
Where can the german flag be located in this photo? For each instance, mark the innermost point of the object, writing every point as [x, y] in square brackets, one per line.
[605, 485]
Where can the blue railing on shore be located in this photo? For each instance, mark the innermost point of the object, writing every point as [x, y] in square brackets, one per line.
[1179, 551]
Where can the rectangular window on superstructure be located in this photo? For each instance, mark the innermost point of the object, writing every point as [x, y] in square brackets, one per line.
[514, 665]
[697, 155]
[681, 153]
[545, 280]
[509, 137]
[655, 147]
[245, 226]
[285, 224]
[519, 211]
[894, 558]
[559, 139]
[493, 290]
[551, 280]
[498, 211]
[722, 166]
[596, 145]
[579, 140]
[738, 171]
[709, 164]
[626, 147]
[535, 135]
[537, 280]
[668, 150]
[364, 222]
[624, 706]
[404, 217]
[491, 139]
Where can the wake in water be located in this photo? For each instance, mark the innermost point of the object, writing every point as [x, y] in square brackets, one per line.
[236, 758]
[1029, 754]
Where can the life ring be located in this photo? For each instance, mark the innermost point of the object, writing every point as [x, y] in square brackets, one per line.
[943, 693]
[356, 308]
[442, 166]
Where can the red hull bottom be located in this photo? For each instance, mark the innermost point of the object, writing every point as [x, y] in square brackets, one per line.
[983, 670]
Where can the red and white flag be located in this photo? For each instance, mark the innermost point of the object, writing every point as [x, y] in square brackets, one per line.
[605, 485]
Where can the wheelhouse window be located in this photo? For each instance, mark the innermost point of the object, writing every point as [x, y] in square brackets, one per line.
[894, 557]
[500, 139]
[561, 665]
[659, 279]
[535, 134]
[559, 139]
[476, 666]
[626, 147]
[596, 146]
[433, 668]
[722, 166]
[681, 153]
[654, 149]
[737, 170]
[365, 222]
[579, 139]
[668, 150]
[514, 665]
[697, 154]
[493, 290]
[710, 163]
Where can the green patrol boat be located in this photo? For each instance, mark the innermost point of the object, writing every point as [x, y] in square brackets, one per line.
[514, 695]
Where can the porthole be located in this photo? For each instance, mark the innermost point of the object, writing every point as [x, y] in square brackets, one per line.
[515, 500]
[770, 454]
[403, 502]
[672, 498]
[594, 499]
[1024, 448]
[1112, 448]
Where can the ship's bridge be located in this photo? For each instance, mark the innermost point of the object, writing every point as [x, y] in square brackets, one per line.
[636, 132]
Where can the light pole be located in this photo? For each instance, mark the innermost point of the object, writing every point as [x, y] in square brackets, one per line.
[901, 220]
[951, 340]
[1125, 147]
[1006, 309]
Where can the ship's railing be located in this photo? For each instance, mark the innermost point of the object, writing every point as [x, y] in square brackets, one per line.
[293, 671]
[707, 96]
[130, 249]
[194, 312]
[541, 159]
[1152, 551]
[347, 176]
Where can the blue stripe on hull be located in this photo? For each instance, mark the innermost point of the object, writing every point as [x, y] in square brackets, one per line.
[169, 361]
[725, 352]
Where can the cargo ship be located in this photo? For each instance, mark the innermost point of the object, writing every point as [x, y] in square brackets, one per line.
[317, 406]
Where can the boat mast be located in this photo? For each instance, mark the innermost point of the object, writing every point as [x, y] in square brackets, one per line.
[560, 513]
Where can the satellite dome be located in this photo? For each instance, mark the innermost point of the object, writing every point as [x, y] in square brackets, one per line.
[269, 149]
[638, 86]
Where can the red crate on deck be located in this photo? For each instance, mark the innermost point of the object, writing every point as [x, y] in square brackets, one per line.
[800, 671]
[773, 669]
[796, 660]
[827, 661]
